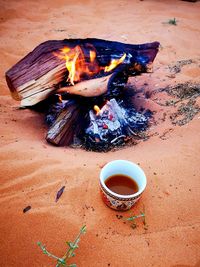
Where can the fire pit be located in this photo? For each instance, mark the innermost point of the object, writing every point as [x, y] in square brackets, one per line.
[81, 85]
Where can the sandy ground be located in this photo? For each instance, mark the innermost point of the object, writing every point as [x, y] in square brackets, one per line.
[33, 171]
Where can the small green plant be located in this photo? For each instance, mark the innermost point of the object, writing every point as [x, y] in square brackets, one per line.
[172, 21]
[135, 217]
[69, 253]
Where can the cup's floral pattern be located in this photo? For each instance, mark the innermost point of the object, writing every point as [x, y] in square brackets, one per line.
[115, 202]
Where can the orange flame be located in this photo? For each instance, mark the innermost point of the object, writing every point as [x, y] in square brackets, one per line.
[92, 56]
[114, 63]
[60, 98]
[97, 109]
[78, 64]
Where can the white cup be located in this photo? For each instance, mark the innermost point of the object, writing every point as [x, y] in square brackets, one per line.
[126, 168]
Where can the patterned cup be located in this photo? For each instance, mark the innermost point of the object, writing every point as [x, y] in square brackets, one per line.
[127, 168]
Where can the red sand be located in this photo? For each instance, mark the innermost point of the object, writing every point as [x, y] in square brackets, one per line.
[33, 171]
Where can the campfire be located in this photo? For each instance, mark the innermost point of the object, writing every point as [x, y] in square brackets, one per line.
[81, 86]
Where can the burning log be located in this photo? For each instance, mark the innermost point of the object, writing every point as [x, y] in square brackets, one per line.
[80, 75]
[57, 64]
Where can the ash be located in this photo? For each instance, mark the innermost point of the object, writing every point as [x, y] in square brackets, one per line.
[112, 125]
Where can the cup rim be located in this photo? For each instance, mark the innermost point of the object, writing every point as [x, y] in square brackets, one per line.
[124, 196]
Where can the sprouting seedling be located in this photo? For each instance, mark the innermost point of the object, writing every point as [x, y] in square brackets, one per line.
[135, 217]
[172, 21]
[69, 253]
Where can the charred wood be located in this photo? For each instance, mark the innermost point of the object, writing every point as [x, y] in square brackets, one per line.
[70, 122]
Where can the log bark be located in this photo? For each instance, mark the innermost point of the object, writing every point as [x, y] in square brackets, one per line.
[40, 73]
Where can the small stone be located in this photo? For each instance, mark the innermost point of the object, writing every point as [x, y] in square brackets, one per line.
[166, 193]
